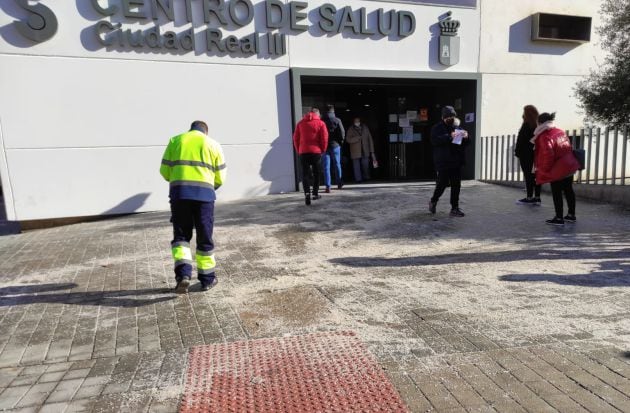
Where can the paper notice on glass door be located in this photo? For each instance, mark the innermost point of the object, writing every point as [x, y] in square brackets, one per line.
[407, 135]
[393, 118]
[403, 122]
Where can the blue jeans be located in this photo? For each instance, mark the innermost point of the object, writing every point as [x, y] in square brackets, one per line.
[361, 165]
[333, 152]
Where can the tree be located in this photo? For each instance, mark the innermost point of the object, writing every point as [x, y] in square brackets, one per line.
[605, 92]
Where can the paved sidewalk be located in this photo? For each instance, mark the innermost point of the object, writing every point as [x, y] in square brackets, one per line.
[492, 312]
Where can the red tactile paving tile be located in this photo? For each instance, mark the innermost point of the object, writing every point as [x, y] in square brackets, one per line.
[322, 372]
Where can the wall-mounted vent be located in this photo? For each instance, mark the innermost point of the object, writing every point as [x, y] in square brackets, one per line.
[561, 28]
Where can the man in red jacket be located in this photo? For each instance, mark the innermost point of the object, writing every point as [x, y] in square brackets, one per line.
[310, 140]
[555, 163]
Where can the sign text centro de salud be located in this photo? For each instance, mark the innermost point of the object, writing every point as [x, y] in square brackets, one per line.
[219, 16]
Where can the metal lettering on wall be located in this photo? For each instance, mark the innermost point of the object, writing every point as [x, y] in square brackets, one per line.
[221, 16]
[117, 30]
[449, 41]
[41, 23]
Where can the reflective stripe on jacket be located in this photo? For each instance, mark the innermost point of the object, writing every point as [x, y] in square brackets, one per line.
[194, 166]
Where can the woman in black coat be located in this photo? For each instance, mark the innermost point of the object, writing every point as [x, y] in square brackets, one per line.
[524, 151]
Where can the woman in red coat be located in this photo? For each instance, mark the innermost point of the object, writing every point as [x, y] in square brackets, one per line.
[554, 162]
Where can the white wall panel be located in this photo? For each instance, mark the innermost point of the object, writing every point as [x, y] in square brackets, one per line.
[504, 96]
[506, 45]
[51, 183]
[63, 102]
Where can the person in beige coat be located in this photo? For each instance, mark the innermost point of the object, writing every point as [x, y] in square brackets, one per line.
[361, 145]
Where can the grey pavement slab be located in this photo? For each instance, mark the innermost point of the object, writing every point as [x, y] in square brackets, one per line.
[495, 311]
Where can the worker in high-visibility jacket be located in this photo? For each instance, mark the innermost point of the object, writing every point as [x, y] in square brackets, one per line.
[194, 166]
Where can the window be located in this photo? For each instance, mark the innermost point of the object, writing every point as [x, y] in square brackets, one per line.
[558, 27]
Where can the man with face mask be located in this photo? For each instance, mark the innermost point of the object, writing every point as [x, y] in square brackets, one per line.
[448, 142]
[361, 149]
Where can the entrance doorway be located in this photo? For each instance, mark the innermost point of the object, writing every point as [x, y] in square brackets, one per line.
[399, 114]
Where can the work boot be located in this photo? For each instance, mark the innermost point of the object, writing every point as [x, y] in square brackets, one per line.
[207, 286]
[307, 199]
[182, 286]
[327, 190]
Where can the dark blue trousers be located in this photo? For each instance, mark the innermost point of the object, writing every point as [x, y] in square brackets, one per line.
[186, 215]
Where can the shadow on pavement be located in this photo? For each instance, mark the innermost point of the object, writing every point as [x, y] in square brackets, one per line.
[33, 289]
[29, 294]
[471, 258]
[614, 273]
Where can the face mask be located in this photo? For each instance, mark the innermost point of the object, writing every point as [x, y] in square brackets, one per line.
[357, 124]
[449, 122]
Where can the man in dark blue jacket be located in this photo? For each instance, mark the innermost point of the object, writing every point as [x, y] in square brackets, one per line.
[448, 141]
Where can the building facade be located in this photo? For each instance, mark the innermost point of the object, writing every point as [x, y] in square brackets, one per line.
[93, 89]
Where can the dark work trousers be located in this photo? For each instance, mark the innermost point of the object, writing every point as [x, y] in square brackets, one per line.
[530, 178]
[186, 214]
[557, 189]
[452, 175]
[311, 169]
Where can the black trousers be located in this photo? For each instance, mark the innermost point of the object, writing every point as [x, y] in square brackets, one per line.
[311, 170]
[564, 186]
[530, 178]
[452, 175]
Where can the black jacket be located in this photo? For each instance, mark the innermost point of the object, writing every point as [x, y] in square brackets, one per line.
[524, 149]
[446, 154]
[336, 131]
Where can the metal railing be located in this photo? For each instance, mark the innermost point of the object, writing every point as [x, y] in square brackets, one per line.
[607, 157]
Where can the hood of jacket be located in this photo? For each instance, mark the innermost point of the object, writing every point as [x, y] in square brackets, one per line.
[311, 116]
[540, 129]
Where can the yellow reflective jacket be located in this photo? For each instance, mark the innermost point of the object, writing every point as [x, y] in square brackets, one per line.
[194, 166]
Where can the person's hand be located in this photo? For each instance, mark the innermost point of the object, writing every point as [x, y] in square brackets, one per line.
[453, 135]
[465, 135]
